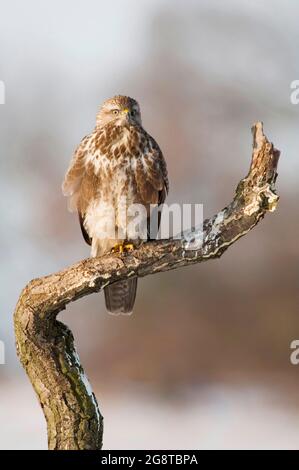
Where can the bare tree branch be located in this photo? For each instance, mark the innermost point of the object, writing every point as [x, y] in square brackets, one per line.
[45, 345]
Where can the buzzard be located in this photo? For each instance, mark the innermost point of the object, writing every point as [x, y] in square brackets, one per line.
[118, 164]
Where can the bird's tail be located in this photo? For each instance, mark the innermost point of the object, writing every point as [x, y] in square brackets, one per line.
[120, 296]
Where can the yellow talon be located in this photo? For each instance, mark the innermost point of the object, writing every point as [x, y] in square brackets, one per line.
[118, 248]
[122, 247]
[128, 247]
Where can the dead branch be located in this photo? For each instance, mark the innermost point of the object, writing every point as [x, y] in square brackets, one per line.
[45, 345]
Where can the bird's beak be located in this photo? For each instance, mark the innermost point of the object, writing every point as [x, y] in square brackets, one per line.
[126, 114]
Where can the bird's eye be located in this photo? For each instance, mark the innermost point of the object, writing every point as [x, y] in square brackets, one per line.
[115, 112]
[133, 112]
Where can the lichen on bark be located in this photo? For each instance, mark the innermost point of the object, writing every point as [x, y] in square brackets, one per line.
[45, 346]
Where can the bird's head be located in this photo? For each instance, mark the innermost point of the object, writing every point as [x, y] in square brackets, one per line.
[121, 110]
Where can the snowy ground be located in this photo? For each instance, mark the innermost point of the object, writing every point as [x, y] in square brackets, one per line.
[212, 418]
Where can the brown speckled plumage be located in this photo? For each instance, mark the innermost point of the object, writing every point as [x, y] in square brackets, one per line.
[118, 159]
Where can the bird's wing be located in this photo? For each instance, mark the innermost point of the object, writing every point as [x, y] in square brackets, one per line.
[152, 181]
[151, 174]
[73, 177]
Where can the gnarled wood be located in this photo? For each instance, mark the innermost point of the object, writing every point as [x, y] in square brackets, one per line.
[45, 346]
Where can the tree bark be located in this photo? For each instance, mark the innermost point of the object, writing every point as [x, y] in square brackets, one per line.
[45, 346]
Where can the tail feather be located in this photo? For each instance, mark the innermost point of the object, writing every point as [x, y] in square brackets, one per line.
[120, 296]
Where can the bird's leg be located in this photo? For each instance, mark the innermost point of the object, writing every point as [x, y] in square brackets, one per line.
[118, 248]
[128, 247]
[123, 247]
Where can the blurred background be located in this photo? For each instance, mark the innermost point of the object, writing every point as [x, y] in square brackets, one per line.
[204, 361]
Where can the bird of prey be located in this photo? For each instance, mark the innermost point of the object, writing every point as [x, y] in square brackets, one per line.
[119, 161]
